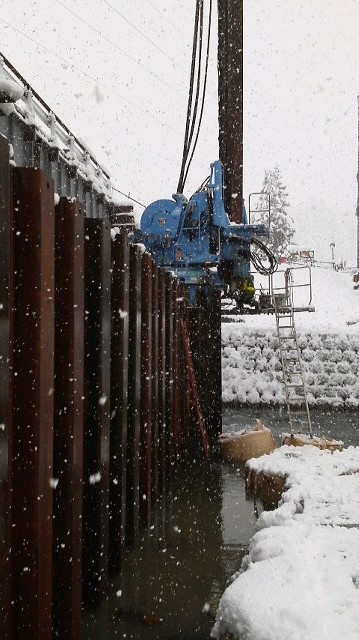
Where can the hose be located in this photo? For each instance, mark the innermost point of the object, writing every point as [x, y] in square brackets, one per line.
[258, 263]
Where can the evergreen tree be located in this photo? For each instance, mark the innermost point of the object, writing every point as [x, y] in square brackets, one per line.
[281, 224]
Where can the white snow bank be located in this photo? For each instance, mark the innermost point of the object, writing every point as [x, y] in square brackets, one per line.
[300, 579]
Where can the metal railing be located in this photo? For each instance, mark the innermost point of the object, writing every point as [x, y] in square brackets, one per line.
[282, 285]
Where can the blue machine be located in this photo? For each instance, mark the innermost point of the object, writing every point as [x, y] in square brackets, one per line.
[195, 239]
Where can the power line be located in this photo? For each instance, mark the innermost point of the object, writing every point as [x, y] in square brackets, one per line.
[87, 75]
[161, 13]
[116, 46]
[129, 197]
[144, 36]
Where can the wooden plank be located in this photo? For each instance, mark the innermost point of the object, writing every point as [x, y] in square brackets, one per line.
[69, 418]
[134, 398]
[119, 396]
[97, 403]
[5, 364]
[33, 383]
[146, 391]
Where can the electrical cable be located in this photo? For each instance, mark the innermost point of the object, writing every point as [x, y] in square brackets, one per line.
[116, 46]
[87, 75]
[203, 184]
[258, 263]
[190, 95]
[191, 119]
[203, 92]
[163, 15]
[144, 36]
[198, 85]
[129, 197]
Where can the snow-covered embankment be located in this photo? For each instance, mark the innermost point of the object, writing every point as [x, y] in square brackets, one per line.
[329, 343]
[300, 579]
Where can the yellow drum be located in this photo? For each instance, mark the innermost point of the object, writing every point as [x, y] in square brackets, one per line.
[240, 446]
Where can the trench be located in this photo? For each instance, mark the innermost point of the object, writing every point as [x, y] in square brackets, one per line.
[172, 580]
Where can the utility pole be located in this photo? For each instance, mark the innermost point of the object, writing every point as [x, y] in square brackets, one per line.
[230, 90]
[357, 210]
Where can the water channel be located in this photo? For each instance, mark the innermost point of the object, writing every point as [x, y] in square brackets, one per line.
[172, 581]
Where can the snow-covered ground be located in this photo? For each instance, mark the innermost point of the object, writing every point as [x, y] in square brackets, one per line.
[300, 579]
[328, 338]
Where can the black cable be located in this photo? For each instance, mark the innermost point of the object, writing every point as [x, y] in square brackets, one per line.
[203, 184]
[129, 197]
[190, 95]
[257, 262]
[203, 92]
[198, 87]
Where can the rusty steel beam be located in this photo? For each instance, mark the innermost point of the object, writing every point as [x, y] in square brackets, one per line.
[119, 396]
[230, 90]
[162, 444]
[176, 369]
[146, 391]
[169, 282]
[214, 406]
[134, 399]
[184, 389]
[155, 383]
[33, 385]
[97, 403]
[5, 368]
[69, 418]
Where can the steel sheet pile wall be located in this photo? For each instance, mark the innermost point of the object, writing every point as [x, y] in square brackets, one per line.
[95, 409]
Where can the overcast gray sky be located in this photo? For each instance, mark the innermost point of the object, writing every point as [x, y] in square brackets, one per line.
[123, 88]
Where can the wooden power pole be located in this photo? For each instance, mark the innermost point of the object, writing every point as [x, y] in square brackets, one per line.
[357, 209]
[230, 88]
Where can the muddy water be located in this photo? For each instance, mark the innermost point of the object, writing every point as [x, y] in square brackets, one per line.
[172, 581]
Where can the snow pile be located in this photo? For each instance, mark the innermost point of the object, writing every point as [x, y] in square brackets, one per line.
[300, 579]
[329, 343]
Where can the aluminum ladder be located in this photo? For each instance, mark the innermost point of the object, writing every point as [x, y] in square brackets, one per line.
[293, 378]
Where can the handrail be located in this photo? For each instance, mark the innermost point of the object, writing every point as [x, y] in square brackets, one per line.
[289, 286]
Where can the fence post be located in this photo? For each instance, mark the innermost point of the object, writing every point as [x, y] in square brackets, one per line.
[33, 383]
[134, 397]
[97, 403]
[146, 390]
[119, 396]
[68, 427]
[5, 364]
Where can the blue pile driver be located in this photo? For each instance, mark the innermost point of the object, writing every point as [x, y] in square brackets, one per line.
[196, 241]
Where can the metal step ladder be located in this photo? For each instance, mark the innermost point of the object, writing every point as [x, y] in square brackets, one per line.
[294, 384]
